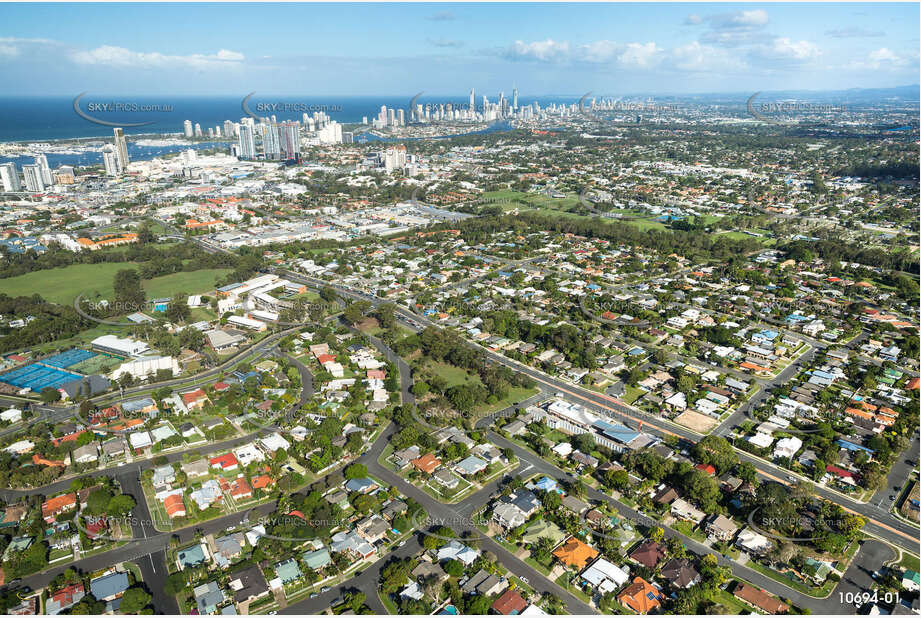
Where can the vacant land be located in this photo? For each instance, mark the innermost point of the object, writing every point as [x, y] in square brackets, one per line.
[453, 375]
[700, 423]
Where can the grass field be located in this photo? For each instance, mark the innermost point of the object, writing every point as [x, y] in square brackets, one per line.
[63, 285]
[187, 282]
[631, 394]
[453, 375]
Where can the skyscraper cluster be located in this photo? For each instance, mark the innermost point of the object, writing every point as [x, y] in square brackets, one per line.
[190, 130]
[281, 141]
[36, 176]
[487, 111]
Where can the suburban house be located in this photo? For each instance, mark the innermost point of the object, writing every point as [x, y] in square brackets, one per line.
[640, 596]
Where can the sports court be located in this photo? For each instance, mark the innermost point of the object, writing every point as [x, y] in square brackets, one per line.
[37, 377]
[68, 358]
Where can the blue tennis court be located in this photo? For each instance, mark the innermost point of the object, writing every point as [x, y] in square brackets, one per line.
[68, 358]
[37, 377]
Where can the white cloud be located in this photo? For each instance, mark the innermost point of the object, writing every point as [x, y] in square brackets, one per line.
[600, 51]
[110, 55]
[640, 55]
[883, 55]
[543, 51]
[784, 47]
[695, 57]
[13, 47]
[626, 55]
[883, 59]
[736, 29]
[758, 17]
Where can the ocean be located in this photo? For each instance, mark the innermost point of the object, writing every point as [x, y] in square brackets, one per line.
[49, 119]
[41, 119]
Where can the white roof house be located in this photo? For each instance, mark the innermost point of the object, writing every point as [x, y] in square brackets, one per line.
[605, 576]
[787, 447]
[20, 447]
[248, 453]
[563, 449]
[273, 442]
[455, 550]
[752, 542]
[254, 534]
[762, 440]
[140, 439]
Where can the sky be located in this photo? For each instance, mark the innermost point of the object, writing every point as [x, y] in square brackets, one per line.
[400, 49]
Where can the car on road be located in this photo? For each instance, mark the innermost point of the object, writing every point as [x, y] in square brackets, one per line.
[325, 589]
[791, 478]
[892, 498]
[524, 580]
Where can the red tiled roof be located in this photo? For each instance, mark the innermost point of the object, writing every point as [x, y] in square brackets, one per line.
[194, 396]
[262, 481]
[174, 505]
[56, 505]
[509, 603]
[225, 461]
[708, 468]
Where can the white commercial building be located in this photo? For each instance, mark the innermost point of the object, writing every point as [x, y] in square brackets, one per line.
[144, 367]
[119, 346]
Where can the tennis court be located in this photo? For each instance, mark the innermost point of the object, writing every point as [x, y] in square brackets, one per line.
[68, 358]
[37, 377]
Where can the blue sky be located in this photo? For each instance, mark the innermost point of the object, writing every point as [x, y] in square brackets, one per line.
[394, 49]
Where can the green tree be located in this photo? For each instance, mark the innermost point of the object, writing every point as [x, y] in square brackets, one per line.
[356, 471]
[129, 295]
[50, 394]
[175, 583]
[134, 600]
[121, 505]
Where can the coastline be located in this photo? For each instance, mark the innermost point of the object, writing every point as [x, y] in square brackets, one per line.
[66, 140]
